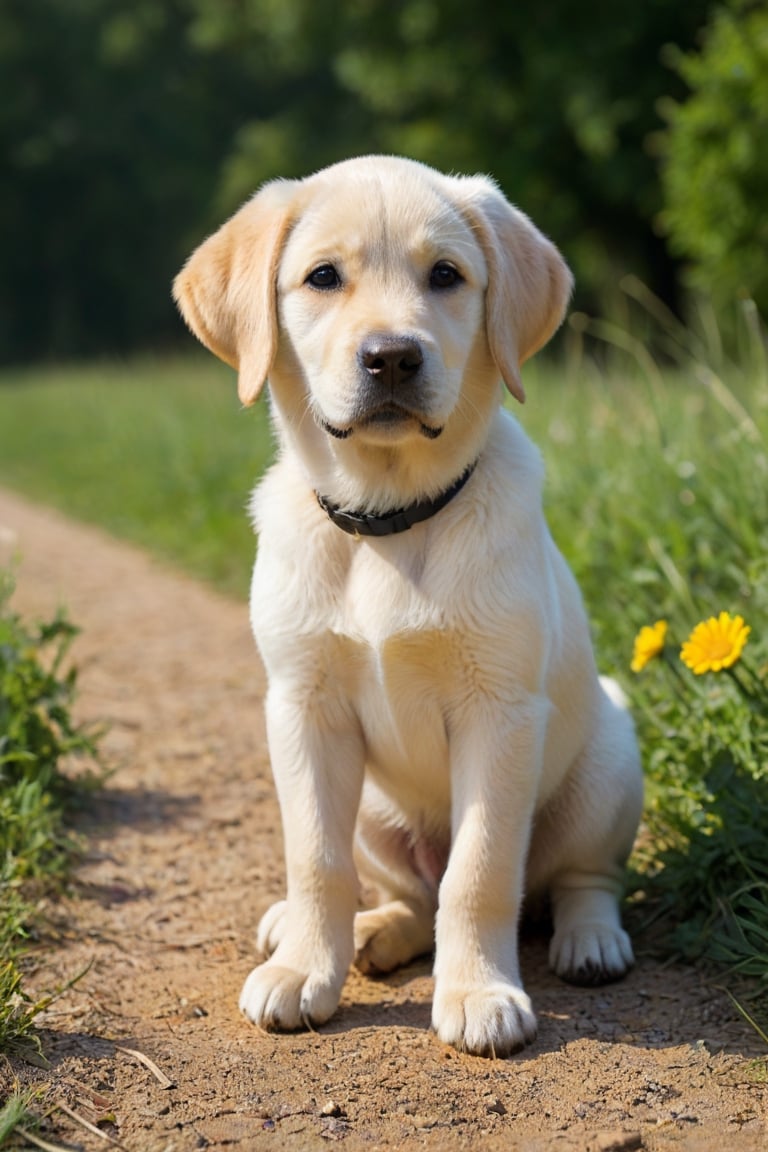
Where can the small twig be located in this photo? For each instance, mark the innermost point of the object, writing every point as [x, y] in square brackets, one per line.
[150, 1064]
[87, 1124]
[38, 1140]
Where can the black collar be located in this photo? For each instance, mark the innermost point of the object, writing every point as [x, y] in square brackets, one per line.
[369, 524]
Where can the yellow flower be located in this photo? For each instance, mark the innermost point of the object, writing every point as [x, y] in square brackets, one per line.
[715, 644]
[649, 643]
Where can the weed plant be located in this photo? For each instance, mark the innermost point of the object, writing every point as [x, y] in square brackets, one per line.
[703, 709]
[37, 738]
[14, 1115]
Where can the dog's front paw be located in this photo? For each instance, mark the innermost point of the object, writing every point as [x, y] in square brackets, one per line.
[485, 1020]
[591, 954]
[283, 999]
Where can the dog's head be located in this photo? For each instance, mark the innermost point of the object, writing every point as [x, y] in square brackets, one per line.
[381, 297]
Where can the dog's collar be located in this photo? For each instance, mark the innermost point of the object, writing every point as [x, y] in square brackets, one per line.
[369, 524]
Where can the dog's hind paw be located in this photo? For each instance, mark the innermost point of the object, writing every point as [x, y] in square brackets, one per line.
[591, 954]
[270, 930]
[390, 936]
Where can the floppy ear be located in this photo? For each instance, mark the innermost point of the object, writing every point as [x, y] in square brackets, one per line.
[529, 283]
[227, 290]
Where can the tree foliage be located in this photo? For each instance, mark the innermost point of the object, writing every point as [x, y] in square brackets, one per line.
[113, 141]
[130, 130]
[715, 174]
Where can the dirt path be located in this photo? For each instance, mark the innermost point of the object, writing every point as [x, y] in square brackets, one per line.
[184, 854]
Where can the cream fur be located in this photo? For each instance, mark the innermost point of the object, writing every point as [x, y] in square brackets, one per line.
[437, 728]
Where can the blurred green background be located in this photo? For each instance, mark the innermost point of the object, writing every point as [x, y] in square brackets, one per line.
[634, 134]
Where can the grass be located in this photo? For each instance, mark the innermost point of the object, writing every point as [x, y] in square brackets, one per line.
[657, 492]
[15, 1113]
[37, 738]
[156, 451]
[657, 481]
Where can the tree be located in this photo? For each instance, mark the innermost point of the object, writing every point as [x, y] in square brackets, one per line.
[715, 168]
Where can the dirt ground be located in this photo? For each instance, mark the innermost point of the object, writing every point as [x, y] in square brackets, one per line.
[184, 852]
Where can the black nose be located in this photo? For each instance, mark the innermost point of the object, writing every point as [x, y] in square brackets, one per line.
[391, 360]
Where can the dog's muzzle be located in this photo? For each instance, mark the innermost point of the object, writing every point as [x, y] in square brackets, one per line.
[391, 386]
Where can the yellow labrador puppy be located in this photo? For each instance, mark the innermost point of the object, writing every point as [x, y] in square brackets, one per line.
[437, 729]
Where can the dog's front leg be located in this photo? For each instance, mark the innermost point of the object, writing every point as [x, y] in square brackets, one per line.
[479, 1003]
[317, 761]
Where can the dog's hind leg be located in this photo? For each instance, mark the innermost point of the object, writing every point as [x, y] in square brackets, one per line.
[581, 841]
[404, 874]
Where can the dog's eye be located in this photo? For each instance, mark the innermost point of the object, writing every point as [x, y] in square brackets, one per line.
[324, 276]
[444, 275]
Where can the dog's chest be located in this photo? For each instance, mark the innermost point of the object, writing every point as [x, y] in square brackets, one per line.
[405, 656]
[400, 699]
[388, 592]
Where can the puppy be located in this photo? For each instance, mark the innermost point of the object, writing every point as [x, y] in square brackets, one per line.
[437, 728]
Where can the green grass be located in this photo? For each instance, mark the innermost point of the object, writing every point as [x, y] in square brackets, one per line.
[657, 485]
[657, 493]
[157, 451]
[15, 1114]
[37, 738]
